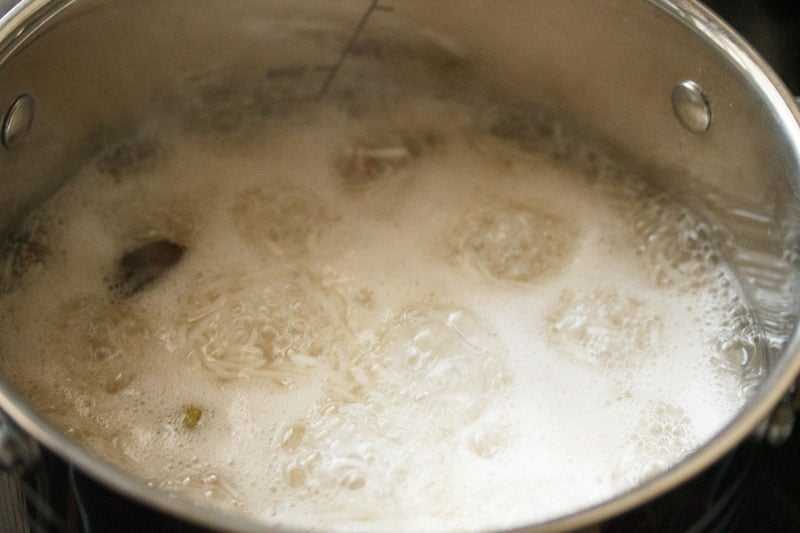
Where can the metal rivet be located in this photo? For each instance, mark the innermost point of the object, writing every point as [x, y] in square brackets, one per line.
[690, 105]
[18, 120]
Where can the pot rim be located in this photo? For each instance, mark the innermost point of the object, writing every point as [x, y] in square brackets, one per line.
[28, 16]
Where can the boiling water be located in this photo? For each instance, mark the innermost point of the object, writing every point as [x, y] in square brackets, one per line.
[416, 319]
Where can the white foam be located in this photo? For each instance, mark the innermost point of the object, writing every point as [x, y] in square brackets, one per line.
[392, 321]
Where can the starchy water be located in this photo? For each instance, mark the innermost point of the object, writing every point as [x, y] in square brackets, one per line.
[419, 318]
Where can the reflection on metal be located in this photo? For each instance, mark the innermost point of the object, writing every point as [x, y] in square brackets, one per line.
[691, 106]
[18, 120]
[332, 70]
[781, 423]
[18, 451]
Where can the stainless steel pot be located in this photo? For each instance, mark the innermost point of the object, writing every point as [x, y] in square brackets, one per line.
[664, 84]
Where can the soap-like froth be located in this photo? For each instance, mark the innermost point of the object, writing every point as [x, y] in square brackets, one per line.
[238, 326]
[662, 436]
[378, 323]
[279, 219]
[513, 244]
[605, 328]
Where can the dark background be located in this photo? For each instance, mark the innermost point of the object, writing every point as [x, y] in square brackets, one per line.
[772, 27]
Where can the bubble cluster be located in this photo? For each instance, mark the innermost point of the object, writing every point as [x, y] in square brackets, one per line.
[389, 436]
[512, 243]
[354, 457]
[26, 249]
[489, 441]
[677, 251]
[237, 326]
[446, 362]
[86, 383]
[523, 129]
[734, 344]
[662, 437]
[201, 479]
[278, 219]
[605, 328]
[676, 248]
[104, 338]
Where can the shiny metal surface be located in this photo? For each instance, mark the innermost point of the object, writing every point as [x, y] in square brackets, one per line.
[743, 173]
[17, 121]
[781, 422]
[18, 451]
[691, 106]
